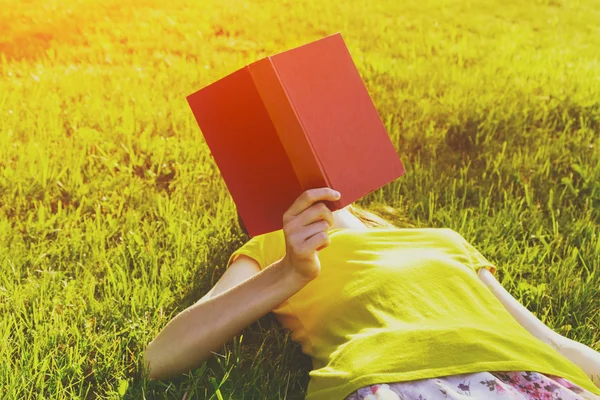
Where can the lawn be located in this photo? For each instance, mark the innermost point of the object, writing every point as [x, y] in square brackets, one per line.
[114, 216]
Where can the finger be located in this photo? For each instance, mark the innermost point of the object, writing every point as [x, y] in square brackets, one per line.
[314, 228]
[317, 242]
[316, 212]
[298, 235]
[307, 198]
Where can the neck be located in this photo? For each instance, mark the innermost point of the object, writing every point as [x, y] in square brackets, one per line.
[344, 219]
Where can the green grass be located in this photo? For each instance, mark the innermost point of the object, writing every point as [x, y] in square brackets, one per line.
[114, 217]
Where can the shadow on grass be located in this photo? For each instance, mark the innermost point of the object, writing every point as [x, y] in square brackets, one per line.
[260, 362]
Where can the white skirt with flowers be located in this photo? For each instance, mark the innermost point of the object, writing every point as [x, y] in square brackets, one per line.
[480, 385]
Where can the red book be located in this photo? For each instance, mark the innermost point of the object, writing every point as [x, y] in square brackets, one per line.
[294, 121]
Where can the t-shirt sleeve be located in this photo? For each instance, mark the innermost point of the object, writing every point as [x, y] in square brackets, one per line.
[253, 248]
[265, 249]
[477, 259]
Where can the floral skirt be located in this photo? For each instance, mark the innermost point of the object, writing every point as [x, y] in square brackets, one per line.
[480, 385]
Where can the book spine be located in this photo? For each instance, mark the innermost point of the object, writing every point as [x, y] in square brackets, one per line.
[288, 125]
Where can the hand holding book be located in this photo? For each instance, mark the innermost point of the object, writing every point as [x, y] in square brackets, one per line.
[305, 226]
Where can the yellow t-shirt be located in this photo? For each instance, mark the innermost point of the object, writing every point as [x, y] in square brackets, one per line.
[394, 305]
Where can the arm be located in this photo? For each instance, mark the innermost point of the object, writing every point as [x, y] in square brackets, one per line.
[579, 354]
[241, 296]
[245, 293]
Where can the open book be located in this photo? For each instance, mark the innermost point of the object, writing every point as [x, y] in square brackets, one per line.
[297, 120]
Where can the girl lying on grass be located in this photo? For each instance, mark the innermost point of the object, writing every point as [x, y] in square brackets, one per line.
[384, 312]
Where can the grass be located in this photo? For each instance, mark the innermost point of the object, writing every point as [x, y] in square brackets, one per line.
[114, 217]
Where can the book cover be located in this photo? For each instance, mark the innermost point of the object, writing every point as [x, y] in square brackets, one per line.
[297, 120]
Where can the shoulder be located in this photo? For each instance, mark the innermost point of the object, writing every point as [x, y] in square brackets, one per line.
[443, 235]
[263, 243]
[272, 238]
[453, 236]
[450, 240]
[269, 237]
[266, 248]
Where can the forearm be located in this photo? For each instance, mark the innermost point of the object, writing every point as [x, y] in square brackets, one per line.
[581, 355]
[190, 337]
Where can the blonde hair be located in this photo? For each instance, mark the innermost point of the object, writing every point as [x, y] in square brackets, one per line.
[380, 216]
